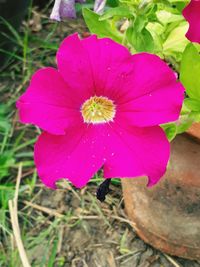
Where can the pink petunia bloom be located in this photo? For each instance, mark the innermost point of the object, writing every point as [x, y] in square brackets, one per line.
[192, 15]
[101, 108]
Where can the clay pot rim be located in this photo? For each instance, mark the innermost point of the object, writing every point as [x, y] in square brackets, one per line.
[194, 131]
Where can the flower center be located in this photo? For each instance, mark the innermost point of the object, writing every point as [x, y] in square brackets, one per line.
[98, 109]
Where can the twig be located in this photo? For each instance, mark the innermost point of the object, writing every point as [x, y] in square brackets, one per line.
[51, 212]
[111, 260]
[123, 220]
[54, 213]
[14, 221]
[172, 260]
[60, 240]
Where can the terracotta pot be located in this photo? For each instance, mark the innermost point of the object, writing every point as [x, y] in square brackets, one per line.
[167, 216]
[195, 131]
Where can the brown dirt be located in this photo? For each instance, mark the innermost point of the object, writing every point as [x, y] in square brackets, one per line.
[103, 238]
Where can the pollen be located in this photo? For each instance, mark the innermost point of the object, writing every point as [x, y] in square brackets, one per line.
[98, 109]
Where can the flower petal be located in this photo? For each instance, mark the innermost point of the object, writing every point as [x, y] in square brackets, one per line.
[160, 106]
[48, 103]
[192, 15]
[149, 73]
[136, 152]
[146, 99]
[109, 60]
[78, 64]
[74, 66]
[77, 156]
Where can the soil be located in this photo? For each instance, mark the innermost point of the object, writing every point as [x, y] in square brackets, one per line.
[102, 238]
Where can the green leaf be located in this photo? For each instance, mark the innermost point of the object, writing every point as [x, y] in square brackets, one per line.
[176, 40]
[140, 23]
[112, 3]
[170, 130]
[101, 28]
[139, 36]
[195, 115]
[6, 160]
[117, 12]
[192, 104]
[183, 124]
[190, 72]
[167, 17]
[156, 30]
[4, 125]
[142, 41]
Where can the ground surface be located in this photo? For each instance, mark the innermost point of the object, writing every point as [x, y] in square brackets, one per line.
[66, 227]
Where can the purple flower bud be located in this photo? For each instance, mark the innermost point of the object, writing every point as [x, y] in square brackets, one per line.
[99, 6]
[66, 8]
[55, 13]
[63, 9]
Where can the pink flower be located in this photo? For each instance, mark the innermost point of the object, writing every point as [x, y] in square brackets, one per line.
[101, 107]
[192, 15]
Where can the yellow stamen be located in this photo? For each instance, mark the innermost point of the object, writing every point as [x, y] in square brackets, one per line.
[98, 109]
